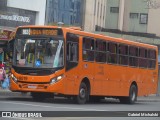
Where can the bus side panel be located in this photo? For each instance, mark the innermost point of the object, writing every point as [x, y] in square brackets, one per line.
[141, 77]
[72, 78]
[88, 71]
[153, 82]
[114, 81]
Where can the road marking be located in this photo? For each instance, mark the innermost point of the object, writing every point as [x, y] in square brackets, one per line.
[55, 106]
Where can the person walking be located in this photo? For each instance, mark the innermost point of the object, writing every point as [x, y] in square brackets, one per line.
[2, 75]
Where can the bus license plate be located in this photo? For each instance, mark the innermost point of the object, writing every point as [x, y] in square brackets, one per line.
[32, 86]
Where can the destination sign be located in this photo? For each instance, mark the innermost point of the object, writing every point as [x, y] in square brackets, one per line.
[43, 32]
[39, 31]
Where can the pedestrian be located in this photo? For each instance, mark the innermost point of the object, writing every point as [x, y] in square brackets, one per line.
[2, 75]
[1, 64]
[6, 82]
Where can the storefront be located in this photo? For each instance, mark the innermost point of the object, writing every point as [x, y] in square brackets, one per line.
[10, 19]
[5, 35]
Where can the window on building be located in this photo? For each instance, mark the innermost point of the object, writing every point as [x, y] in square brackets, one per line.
[95, 1]
[101, 11]
[63, 18]
[143, 18]
[72, 4]
[98, 9]
[71, 19]
[104, 13]
[134, 15]
[114, 9]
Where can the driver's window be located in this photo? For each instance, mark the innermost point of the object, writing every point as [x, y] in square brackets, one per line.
[72, 51]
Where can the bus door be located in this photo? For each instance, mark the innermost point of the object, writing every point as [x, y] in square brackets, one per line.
[72, 58]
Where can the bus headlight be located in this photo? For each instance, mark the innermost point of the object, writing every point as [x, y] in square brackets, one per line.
[54, 80]
[14, 78]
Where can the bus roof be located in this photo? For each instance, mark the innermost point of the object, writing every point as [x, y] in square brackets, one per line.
[77, 30]
[113, 39]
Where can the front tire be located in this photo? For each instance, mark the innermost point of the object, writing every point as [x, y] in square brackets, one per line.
[81, 98]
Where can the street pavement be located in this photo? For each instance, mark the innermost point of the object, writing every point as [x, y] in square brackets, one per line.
[149, 98]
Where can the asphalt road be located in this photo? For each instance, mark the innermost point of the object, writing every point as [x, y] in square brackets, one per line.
[109, 107]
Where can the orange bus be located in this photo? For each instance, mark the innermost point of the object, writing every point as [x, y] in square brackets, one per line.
[52, 60]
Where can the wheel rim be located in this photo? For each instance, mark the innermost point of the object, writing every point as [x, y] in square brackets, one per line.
[133, 95]
[82, 93]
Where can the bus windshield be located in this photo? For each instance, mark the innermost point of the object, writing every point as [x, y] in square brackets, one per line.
[39, 53]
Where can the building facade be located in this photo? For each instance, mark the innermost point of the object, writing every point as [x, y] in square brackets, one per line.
[17, 13]
[70, 12]
[94, 14]
[133, 16]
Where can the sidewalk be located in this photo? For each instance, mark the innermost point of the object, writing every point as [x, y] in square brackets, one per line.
[150, 98]
[8, 92]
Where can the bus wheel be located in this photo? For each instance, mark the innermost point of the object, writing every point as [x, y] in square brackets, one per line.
[81, 98]
[132, 98]
[132, 94]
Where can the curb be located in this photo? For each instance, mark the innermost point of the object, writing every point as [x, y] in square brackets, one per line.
[10, 93]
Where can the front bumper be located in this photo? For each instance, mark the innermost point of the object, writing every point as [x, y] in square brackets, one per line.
[57, 87]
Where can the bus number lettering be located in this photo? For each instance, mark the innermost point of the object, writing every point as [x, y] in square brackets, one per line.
[25, 31]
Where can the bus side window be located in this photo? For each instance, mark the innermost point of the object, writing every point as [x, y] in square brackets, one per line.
[143, 61]
[133, 56]
[100, 53]
[151, 59]
[123, 54]
[88, 49]
[112, 54]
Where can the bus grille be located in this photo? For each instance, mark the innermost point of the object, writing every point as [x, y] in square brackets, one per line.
[33, 86]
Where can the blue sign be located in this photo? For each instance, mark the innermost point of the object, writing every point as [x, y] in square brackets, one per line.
[38, 63]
